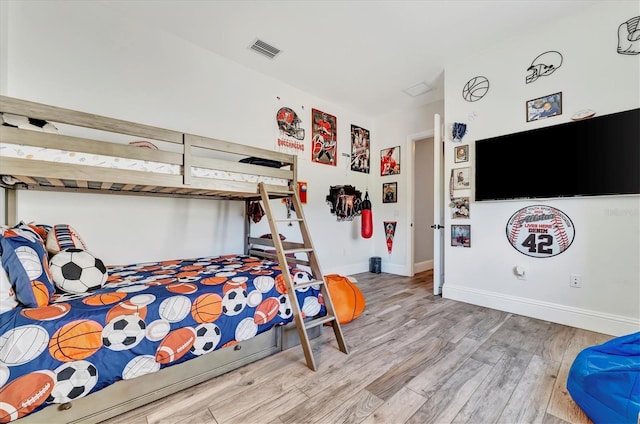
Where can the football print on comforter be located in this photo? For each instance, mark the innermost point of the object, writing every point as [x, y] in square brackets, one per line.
[146, 317]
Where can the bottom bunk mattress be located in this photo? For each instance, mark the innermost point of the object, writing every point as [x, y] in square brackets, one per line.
[146, 317]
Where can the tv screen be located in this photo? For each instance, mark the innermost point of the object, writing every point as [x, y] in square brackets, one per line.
[593, 157]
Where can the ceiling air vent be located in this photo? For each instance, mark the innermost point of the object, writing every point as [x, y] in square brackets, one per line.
[265, 49]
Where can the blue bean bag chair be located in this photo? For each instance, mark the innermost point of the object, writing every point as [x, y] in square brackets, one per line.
[604, 380]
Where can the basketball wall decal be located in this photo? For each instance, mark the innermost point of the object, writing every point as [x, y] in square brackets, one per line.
[475, 89]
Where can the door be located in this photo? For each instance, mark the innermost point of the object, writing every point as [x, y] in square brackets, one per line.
[438, 206]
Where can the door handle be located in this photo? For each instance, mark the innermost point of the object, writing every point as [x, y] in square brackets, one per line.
[437, 226]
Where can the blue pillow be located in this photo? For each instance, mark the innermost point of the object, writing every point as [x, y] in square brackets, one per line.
[25, 260]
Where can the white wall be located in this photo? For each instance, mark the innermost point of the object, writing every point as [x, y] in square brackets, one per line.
[83, 56]
[606, 246]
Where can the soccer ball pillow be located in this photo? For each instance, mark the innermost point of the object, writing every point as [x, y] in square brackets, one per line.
[77, 271]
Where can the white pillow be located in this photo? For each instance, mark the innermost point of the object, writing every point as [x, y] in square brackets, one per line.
[7, 294]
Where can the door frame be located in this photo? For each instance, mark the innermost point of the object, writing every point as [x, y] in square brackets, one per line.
[410, 203]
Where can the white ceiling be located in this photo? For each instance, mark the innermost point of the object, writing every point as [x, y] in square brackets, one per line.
[358, 54]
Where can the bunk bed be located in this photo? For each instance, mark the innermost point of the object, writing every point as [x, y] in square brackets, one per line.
[178, 164]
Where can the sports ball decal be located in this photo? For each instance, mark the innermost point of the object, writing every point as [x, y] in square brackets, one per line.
[254, 298]
[46, 313]
[124, 332]
[104, 298]
[77, 271]
[266, 311]
[264, 283]
[4, 374]
[311, 307]
[126, 308]
[22, 344]
[158, 329]
[175, 308]
[284, 311]
[475, 89]
[175, 345]
[140, 365]
[30, 261]
[73, 380]
[207, 338]
[76, 340]
[24, 394]
[234, 302]
[246, 329]
[206, 308]
[540, 231]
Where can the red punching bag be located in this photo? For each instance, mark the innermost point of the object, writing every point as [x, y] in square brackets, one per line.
[367, 217]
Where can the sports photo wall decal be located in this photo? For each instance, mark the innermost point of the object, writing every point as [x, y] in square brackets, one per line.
[461, 154]
[290, 133]
[629, 37]
[390, 192]
[475, 89]
[461, 235]
[389, 234]
[543, 65]
[540, 231]
[462, 178]
[324, 140]
[460, 208]
[390, 161]
[544, 107]
[345, 202]
[360, 149]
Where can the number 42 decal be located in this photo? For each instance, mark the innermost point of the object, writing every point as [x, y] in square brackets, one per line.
[540, 245]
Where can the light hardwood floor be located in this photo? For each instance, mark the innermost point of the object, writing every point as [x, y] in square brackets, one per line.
[415, 358]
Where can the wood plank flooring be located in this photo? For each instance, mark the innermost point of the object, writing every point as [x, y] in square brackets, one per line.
[415, 358]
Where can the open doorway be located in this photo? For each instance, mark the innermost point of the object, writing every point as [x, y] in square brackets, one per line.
[423, 204]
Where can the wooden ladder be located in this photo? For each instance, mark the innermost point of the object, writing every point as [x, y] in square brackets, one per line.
[317, 275]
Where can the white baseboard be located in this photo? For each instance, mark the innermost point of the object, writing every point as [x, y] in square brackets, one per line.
[423, 266]
[615, 325]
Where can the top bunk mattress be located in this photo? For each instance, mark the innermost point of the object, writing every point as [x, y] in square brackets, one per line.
[72, 150]
[18, 151]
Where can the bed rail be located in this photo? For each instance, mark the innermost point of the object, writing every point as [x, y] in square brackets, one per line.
[194, 166]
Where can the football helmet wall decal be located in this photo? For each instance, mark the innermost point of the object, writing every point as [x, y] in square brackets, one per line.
[289, 123]
[543, 65]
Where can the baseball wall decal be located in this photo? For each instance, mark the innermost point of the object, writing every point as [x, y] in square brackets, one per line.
[540, 231]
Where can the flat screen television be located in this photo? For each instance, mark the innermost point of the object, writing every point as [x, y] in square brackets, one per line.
[592, 157]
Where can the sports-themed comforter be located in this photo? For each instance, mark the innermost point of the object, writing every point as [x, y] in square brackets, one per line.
[146, 317]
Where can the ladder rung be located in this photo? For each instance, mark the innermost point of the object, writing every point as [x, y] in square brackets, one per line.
[308, 284]
[289, 220]
[319, 321]
[301, 250]
[283, 191]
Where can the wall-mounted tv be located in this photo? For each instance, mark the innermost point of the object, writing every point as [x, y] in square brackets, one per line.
[593, 157]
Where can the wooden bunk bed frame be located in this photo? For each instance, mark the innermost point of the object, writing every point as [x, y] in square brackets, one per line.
[29, 174]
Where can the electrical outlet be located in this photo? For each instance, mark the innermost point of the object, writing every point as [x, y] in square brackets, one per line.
[575, 280]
